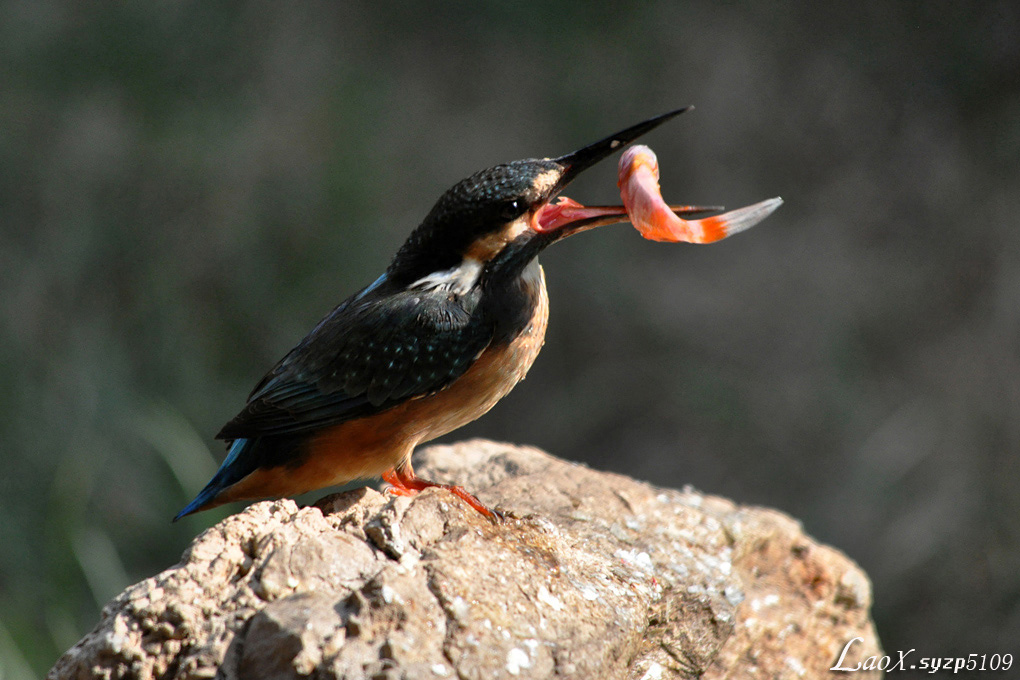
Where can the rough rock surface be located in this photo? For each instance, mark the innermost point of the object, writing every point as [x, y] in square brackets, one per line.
[599, 576]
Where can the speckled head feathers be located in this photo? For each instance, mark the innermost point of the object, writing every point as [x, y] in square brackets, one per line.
[493, 200]
[472, 208]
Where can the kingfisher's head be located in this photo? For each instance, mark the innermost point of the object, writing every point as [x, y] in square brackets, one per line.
[499, 219]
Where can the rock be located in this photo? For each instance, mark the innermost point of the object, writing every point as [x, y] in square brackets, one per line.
[596, 576]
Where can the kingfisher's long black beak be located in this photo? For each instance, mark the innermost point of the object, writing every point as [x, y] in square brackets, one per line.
[566, 217]
[582, 159]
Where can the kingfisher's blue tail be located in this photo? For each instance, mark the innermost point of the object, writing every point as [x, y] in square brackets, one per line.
[230, 472]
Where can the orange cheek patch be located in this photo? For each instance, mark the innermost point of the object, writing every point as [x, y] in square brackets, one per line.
[487, 247]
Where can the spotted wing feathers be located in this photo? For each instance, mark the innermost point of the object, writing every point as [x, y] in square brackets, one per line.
[365, 357]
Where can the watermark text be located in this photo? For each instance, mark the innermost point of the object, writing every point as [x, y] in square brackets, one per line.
[908, 661]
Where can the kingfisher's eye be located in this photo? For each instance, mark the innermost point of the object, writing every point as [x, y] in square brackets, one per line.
[511, 210]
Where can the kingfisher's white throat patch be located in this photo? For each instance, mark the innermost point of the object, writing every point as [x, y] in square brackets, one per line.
[458, 280]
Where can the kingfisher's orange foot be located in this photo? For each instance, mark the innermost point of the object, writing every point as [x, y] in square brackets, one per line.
[403, 482]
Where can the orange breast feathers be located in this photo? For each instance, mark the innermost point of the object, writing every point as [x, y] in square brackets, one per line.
[652, 216]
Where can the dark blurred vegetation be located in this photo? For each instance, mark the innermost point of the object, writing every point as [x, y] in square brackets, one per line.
[187, 187]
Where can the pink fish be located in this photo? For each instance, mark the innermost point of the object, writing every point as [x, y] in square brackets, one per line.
[644, 206]
[657, 221]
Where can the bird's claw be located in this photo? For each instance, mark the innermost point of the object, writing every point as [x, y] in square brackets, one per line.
[403, 482]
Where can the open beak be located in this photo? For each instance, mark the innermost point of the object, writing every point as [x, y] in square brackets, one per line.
[566, 217]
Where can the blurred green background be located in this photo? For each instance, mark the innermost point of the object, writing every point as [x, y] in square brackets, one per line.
[187, 187]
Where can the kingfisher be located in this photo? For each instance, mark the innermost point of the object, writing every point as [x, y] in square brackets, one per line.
[451, 326]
